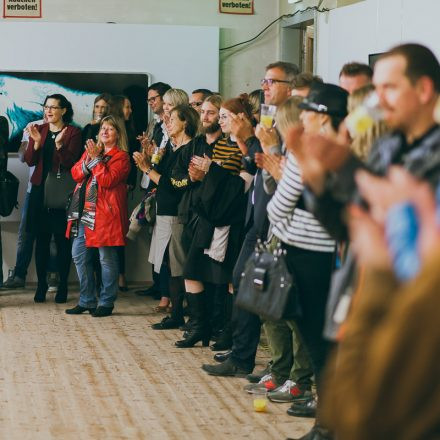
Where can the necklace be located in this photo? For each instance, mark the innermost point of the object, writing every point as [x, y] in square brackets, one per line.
[54, 134]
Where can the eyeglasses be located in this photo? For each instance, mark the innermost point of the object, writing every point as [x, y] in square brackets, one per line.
[271, 81]
[196, 103]
[152, 99]
[51, 107]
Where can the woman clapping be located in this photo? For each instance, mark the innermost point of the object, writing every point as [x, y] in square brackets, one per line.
[98, 216]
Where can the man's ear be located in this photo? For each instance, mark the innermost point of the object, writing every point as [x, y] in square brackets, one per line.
[425, 89]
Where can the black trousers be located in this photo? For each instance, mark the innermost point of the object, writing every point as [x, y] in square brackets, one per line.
[312, 273]
[42, 254]
[246, 326]
[1, 258]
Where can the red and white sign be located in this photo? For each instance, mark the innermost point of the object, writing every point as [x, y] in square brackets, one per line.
[22, 8]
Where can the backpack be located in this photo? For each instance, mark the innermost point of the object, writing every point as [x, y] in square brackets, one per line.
[8, 193]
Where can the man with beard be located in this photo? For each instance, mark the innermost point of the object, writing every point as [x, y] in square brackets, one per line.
[209, 117]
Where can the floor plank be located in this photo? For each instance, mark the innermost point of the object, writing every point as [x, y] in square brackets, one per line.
[78, 377]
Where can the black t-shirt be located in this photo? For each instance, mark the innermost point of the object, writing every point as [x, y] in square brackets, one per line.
[173, 169]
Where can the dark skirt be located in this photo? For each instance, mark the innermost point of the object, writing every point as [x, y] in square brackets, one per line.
[41, 220]
[201, 267]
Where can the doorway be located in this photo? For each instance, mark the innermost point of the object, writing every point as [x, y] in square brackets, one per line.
[298, 41]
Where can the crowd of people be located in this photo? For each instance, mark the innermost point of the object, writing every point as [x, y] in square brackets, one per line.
[344, 181]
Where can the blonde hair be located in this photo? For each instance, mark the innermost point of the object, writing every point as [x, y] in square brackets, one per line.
[361, 143]
[119, 125]
[288, 114]
[176, 97]
[216, 100]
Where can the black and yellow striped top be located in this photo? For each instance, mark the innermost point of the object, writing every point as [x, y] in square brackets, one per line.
[227, 154]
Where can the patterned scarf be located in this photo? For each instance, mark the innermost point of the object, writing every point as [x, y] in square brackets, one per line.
[83, 204]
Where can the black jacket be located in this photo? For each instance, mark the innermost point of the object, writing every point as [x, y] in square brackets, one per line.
[4, 134]
[421, 159]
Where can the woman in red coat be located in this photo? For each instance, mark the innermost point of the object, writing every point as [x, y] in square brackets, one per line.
[53, 148]
[98, 216]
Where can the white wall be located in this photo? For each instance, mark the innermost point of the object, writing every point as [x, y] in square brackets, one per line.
[240, 69]
[353, 32]
[68, 50]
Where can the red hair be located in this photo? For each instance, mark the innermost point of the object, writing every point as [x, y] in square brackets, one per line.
[239, 105]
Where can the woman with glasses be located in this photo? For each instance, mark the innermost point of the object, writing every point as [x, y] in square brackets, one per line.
[172, 98]
[53, 147]
[216, 238]
[172, 179]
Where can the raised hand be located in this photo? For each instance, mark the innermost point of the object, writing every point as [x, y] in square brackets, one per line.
[92, 149]
[201, 163]
[367, 238]
[195, 174]
[272, 163]
[33, 132]
[142, 161]
[59, 138]
[241, 127]
[268, 137]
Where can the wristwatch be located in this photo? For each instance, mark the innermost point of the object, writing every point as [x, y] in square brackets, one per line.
[148, 170]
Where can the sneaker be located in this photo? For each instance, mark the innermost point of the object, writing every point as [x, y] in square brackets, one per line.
[258, 375]
[288, 392]
[52, 281]
[267, 383]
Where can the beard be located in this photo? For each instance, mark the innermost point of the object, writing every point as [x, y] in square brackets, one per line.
[212, 128]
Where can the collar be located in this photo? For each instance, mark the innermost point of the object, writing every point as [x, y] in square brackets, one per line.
[418, 140]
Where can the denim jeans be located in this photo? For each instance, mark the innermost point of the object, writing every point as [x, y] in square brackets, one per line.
[83, 259]
[25, 243]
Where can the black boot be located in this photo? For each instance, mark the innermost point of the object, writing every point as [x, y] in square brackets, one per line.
[61, 296]
[40, 293]
[224, 341]
[199, 330]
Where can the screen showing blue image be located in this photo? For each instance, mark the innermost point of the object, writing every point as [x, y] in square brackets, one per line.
[22, 95]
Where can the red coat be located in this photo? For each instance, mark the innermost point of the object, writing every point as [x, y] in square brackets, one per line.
[66, 156]
[111, 221]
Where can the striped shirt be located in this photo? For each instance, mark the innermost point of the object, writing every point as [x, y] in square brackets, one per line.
[227, 154]
[291, 224]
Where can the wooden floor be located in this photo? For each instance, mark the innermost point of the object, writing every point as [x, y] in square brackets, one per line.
[78, 377]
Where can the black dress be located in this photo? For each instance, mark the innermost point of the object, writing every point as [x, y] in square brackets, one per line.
[219, 201]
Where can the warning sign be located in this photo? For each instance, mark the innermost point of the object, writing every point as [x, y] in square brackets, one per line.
[22, 8]
[236, 6]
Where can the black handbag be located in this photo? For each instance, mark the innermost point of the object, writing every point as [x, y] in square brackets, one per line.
[57, 189]
[265, 282]
[8, 193]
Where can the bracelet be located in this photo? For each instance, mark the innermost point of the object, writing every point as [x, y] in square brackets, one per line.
[148, 170]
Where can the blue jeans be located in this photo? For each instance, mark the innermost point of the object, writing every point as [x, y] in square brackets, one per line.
[83, 259]
[25, 243]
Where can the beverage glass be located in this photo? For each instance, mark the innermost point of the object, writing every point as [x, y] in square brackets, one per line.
[259, 400]
[267, 114]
